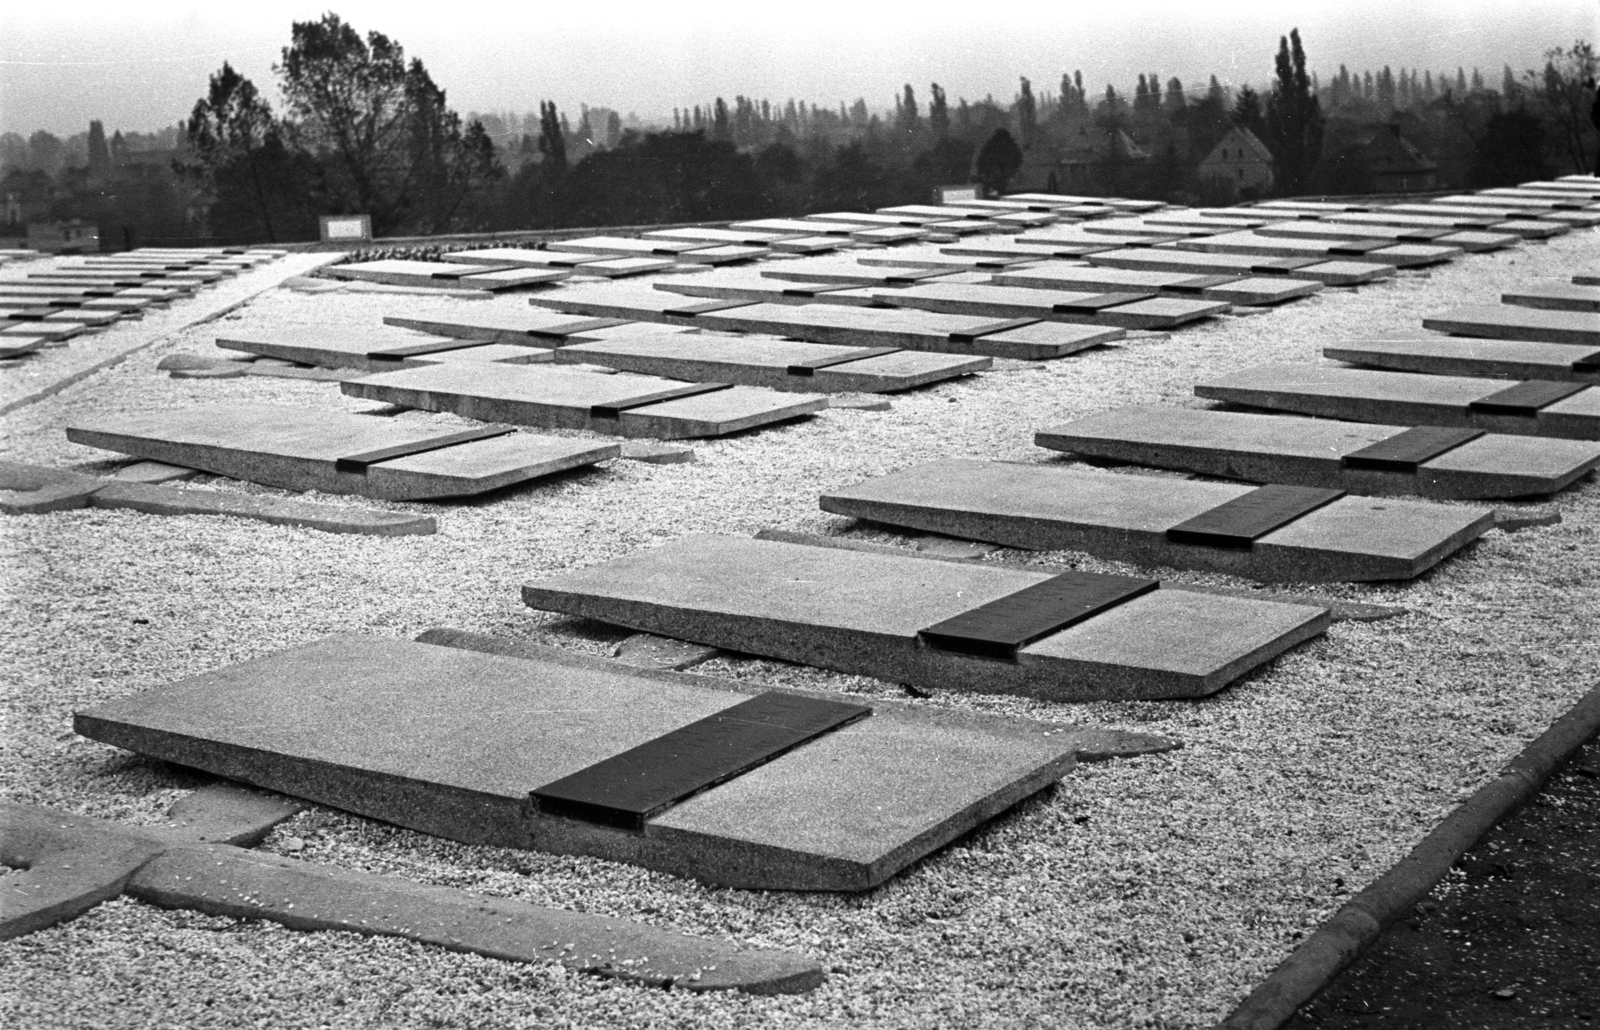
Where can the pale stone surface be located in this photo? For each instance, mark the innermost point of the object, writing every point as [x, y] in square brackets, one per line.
[859, 402]
[1276, 449]
[444, 275]
[1125, 518]
[154, 499]
[1020, 300]
[450, 742]
[860, 613]
[653, 452]
[1468, 240]
[1399, 398]
[563, 398]
[1458, 356]
[60, 866]
[1557, 297]
[153, 472]
[1401, 255]
[1507, 322]
[345, 348]
[35, 490]
[296, 449]
[1062, 275]
[649, 651]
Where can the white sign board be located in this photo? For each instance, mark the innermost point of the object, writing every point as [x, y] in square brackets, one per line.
[346, 228]
[956, 194]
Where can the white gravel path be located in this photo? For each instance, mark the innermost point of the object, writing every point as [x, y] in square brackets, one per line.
[1147, 893]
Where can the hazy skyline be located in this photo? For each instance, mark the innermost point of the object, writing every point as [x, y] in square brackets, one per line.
[143, 66]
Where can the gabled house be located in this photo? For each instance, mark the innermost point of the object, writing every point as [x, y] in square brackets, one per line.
[1242, 161]
[1393, 165]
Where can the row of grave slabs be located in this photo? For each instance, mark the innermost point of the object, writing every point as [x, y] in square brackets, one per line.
[739, 786]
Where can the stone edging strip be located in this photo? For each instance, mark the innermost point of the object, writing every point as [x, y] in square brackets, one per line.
[1357, 925]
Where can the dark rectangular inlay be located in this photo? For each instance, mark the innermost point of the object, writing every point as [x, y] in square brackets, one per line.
[1414, 235]
[999, 628]
[1358, 247]
[691, 310]
[1404, 452]
[1588, 364]
[479, 270]
[628, 788]
[418, 349]
[1100, 302]
[914, 275]
[566, 329]
[1524, 399]
[359, 462]
[811, 291]
[1200, 283]
[968, 336]
[806, 368]
[1245, 519]
[1283, 266]
[673, 393]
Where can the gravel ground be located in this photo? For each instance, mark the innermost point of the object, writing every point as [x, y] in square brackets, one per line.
[1147, 893]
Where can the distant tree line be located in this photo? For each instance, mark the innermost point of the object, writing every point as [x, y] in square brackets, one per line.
[360, 129]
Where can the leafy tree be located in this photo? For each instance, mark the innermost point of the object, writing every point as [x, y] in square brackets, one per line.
[906, 111]
[1247, 111]
[1564, 92]
[99, 153]
[938, 112]
[1511, 150]
[1027, 112]
[552, 141]
[1293, 118]
[998, 161]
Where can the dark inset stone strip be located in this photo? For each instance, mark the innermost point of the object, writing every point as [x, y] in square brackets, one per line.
[1588, 364]
[992, 328]
[1357, 248]
[999, 628]
[1404, 452]
[671, 394]
[1283, 266]
[419, 349]
[691, 310]
[1245, 519]
[806, 368]
[627, 789]
[360, 462]
[586, 325]
[1101, 301]
[812, 291]
[1200, 283]
[1525, 399]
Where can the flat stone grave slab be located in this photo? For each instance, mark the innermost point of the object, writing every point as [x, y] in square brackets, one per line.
[1554, 297]
[564, 398]
[118, 277]
[1510, 197]
[375, 349]
[1072, 200]
[1249, 214]
[1080, 235]
[932, 259]
[802, 226]
[55, 329]
[776, 364]
[338, 452]
[1185, 219]
[1501, 221]
[749, 284]
[1162, 259]
[717, 237]
[76, 301]
[1140, 519]
[1315, 452]
[1498, 206]
[453, 742]
[870, 221]
[1500, 359]
[520, 257]
[1567, 410]
[1472, 241]
[845, 326]
[532, 328]
[1510, 322]
[84, 288]
[1401, 255]
[444, 275]
[1409, 219]
[1255, 290]
[874, 615]
[836, 272]
[1038, 250]
[625, 246]
[46, 313]
[1141, 227]
[1125, 309]
[1318, 207]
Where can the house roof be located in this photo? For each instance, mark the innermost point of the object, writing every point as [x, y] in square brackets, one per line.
[1240, 138]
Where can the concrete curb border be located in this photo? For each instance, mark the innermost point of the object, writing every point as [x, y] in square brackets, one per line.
[1352, 930]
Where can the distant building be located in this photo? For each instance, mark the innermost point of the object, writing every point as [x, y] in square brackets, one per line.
[74, 237]
[1393, 165]
[1090, 160]
[1242, 161]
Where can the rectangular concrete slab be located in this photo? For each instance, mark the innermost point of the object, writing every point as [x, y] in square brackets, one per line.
[1554, 297]
[564, 398]
[444, 275]
[1131, 309]
[1308, 452]
[710, 236]
[1401, 255]
[1007, 248]
[843, 272]
[1508, 322]
[531, 327]
[1472, 241]
[1452, 356]
[624, 246]
[749, 284]
[298, 449]
[1401, 398]
[450, 742]
[346, 348]
[776, 364]
[1252, 290]
[860, 613]
[1162, 259]
[1127, 518]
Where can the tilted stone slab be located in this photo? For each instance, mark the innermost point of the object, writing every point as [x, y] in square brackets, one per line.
[82, 316]
[155, 499]
[1567, 198]
[1124, 310]
[1501, 359]
[452, 742]
[1310, 452]
[130, 306]
[1317, 207]
[776, 364]
[1472, 241]
[1402, 398]
[299, 449]
[374, 349]
[533, 327]
[444, 275]
[848, 273]
[1498, 207]
[1256, 290]
[1401, 255]
[862, 613]
[562, 398]
[1185, 219]
[1315, 269]
[1129, 518]
[936, 260]
[717, 237]
[748, 284]
[1078, 235]
[521, 257]
[1509, 197]
[1557, 297]
[1509, 322]
[802, 226]
[1032, 251]
[624, 246]
[1139, 227]
[1409, 219]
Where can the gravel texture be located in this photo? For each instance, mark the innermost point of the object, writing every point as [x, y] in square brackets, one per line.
[1144, 893]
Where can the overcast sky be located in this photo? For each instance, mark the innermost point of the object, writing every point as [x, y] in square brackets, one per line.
[141, 65]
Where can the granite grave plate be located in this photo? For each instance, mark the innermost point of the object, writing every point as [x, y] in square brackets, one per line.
[1554, 297]
[1161, 259]
[373, 349]
[1401, 255]
[444, 275]
[1258, 290]
[1500, 359]
[1130, 309]
[1509, 322]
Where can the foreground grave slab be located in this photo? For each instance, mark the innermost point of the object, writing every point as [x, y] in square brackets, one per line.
[776, 364]
[1469, 240]
[1556, 297]
[1501, 359]
[1508, 322]
[445, 275]
[532, 328]
[337, 452]
[461, 740]
[374, 349]
[1401, 255]
[1221, 288]
[934, 624]
[1125, 309]
[1310, 536]
[1529, 408]
[625, 405]
[1328, 273]
[1361, 458]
